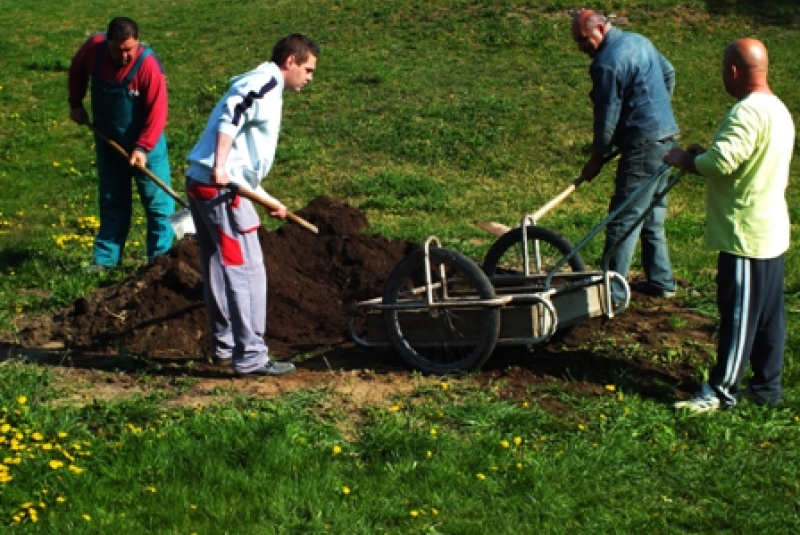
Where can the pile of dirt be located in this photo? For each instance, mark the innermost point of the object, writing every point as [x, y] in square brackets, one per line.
[313, 281]
[157, 316]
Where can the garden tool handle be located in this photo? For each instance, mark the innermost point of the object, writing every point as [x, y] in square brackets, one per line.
[152, 176]
[558, 199]
[254, 196]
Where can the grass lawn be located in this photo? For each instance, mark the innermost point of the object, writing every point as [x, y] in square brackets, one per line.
[426, 115]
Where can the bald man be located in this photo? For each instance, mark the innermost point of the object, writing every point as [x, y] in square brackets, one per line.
[747, 221]
[632, 86]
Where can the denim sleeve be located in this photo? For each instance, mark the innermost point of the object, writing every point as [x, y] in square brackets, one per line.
[669, 74]
[607, 100]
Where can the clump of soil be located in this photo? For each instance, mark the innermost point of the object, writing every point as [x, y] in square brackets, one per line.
[314, 279]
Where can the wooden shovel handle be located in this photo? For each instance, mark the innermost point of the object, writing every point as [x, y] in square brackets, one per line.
[152, 176]
[558, 199]
[267, 203]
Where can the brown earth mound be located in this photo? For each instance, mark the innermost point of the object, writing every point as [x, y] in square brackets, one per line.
[313, 281]
[155, 322]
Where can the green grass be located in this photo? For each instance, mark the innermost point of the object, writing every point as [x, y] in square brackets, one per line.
[456, 460]
[427, 116]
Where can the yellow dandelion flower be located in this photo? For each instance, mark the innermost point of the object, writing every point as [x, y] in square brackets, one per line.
[414, 513]
[337, 449]
[480, 476]
[55, 465]
[37, 437]
[433, 430]
[505, 443]
[86, 517]
[61, 499]
[444, 385]
[22, 400]
[611, 388]
[77, 470]
[517, 441]
[151, 489]
[429, 454]
[345, 490]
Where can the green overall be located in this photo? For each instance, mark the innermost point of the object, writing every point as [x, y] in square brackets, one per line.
[117, 112]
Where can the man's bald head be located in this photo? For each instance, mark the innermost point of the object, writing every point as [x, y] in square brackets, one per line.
[748, 54]
[589, 28]
[745, 64]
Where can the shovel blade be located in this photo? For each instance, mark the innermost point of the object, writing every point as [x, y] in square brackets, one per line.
[182, 224]
[497, 229]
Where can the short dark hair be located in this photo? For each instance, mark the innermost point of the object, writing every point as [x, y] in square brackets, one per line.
[297, 45]
[122, 29]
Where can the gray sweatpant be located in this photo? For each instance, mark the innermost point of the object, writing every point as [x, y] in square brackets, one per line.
[235, 290]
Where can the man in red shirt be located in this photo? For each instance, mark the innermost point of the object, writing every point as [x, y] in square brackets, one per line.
[129, 105]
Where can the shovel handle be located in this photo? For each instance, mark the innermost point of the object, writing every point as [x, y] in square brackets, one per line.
[267, 203]
[152, 176]
[558, 199]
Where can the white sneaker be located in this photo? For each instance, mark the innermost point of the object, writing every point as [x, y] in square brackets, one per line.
[704, 401]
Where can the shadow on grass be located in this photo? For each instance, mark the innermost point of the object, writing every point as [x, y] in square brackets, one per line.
[13, 257]
[770, 12]
[513, 373]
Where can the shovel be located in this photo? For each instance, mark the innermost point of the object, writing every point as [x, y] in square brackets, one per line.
[498, 229]
[182, 222]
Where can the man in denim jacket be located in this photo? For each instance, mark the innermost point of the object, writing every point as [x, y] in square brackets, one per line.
[632, 88]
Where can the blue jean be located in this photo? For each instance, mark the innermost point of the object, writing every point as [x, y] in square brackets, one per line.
[115, 197]
[637, 165]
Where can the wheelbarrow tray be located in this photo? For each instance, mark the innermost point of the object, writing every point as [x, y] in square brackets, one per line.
[524, 319]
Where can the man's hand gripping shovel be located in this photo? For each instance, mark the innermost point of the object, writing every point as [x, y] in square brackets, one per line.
[181, 221]
[498, 229]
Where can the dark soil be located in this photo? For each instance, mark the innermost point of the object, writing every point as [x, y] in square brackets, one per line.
[154, 323]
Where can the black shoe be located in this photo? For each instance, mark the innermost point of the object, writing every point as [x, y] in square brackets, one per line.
[644, 287]
[273, 368]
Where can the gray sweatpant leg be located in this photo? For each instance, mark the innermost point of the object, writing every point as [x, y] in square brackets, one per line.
[235, 289]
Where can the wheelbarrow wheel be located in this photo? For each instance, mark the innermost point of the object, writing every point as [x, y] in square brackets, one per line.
[440, 339]
[506, 257]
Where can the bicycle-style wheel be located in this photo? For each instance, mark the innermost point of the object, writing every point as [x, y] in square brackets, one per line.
[545, 249]
[447, 336]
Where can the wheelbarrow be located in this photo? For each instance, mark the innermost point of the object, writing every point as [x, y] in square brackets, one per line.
[443, 314]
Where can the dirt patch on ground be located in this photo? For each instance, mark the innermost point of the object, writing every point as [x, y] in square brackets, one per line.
[150, 331]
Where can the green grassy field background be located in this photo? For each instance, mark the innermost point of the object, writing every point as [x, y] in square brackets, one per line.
[427, 115]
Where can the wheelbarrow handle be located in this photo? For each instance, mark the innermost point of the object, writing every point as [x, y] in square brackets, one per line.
[152, 176]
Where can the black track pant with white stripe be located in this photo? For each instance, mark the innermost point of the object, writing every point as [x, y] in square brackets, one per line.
[752, 326]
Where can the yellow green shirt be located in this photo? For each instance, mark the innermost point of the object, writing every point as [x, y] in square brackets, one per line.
[747, 171]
